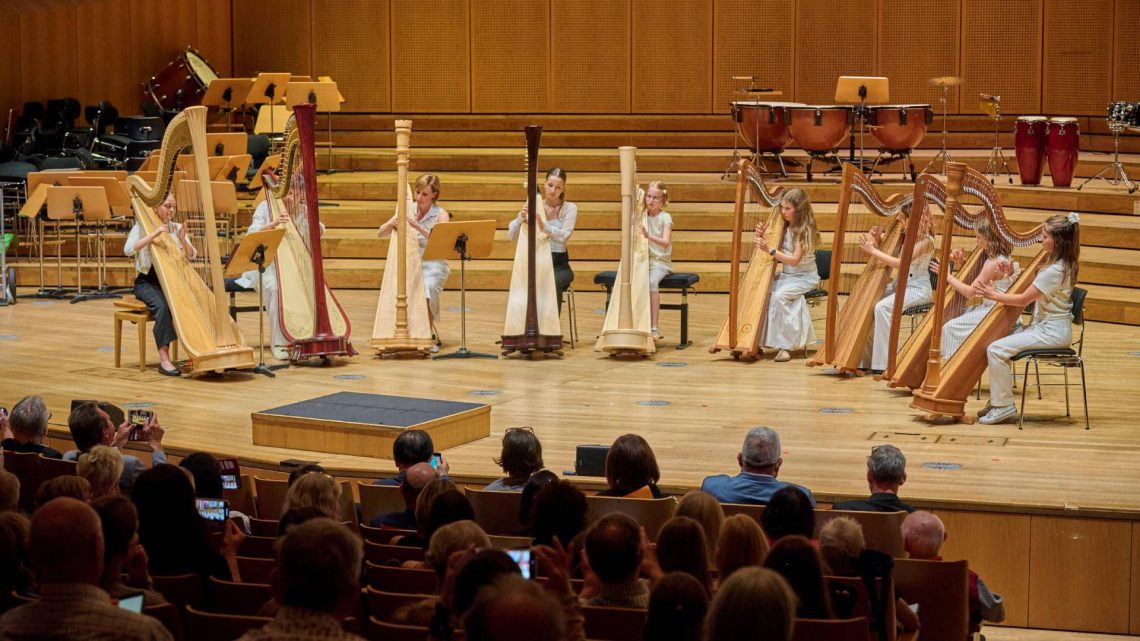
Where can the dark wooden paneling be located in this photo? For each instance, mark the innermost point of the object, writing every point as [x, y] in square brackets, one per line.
[510, 55]
[48, 53]
[431, 74]
[350, 44]
[741, 49]
[672, 67]
[104, 60]
[589, 56]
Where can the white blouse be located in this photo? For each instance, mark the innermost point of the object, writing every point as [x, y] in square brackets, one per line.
[559, 229]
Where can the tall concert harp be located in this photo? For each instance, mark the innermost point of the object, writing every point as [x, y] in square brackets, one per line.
[532, 323]
[194, 289]
[947, 385]
[311, 317]
[403, 322]
[626, 329]
[743, 329]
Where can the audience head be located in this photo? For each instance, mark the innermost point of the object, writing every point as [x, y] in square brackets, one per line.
[102, 466]
[170, 528]
[761, 452]
[311, 468]
[120, 522]
[434, 488]
[71, 486]
[521, 455]
[318, 567]
[415, 478]
[788, 512]
[534, 484]
[454, 537]
[449, 506]
[296, 516]
[315, 490]
[923, 535]
[65, 544]
[411, 447]
[681, 547]
[840, 544]
[481, 570]
[514, 609]
[29, 419]
[90, 426]
[798, 562]
[677, 608]
[631, 465]
[207, 474]
[754, 604]
[559, 511]
[742, 544]
[14, 572]
[9, 491]
[886, 469]
[613, 547]
[703, 508]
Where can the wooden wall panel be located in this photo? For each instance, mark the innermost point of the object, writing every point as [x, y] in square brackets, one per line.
[215, 36]
[1134, 602]
[273, 37]
[1001, 53]
[1126, 51]
[742, 49]
[835, 38]
[104, 66]
[10, 94]
[589, 56]
[1079, 574]
[1077, 71]
[350, 44]
[160, 30]
[431, 74]
[48, 53]
[918, 40]
[510, 55]
[997, 548]
[672, 56]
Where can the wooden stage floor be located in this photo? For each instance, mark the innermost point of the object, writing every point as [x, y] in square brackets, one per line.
[692, 406]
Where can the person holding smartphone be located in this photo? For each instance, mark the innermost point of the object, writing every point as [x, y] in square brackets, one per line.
[91, 426]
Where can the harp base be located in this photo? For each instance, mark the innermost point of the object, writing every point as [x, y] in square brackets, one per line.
[939, 406]
[624, 341]
[221, 360]
[407, 346]
[320, 346]
[531, 343]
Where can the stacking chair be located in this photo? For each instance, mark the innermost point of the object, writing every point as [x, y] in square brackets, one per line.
[270, 497]
[650, 513]
[378, 499]
[496, 512]
[227, 597]
[1064, 357]
[941, 590]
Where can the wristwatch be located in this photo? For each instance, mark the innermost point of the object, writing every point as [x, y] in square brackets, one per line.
[772, 252]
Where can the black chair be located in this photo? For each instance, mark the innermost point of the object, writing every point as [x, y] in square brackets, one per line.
[61, 162]
[1063, 357]
[823, 266]
[915, 312]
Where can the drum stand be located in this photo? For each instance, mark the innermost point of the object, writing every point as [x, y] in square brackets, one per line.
[1114, 174]
[997, 162]
[943, 153]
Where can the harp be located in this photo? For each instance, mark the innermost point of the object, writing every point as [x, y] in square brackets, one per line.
[311, 317]
[402, 326]
[947, 385]
[532, 323]
[193, 289]
[748, 295]
[626, 329]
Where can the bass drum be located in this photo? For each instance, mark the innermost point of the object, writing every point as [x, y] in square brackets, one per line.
[181, 83]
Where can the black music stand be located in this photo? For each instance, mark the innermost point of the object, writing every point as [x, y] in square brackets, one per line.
[269, 89]
[465, 240]
[326, 98]
[224, 93]
[257, 251]
[81, 204]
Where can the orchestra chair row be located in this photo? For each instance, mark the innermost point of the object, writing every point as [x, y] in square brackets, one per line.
[882, 531]
[133, 310]
[270, 499]
[32, 470]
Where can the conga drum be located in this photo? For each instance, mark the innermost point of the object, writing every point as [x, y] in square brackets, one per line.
[1029, 146]
[900, 128]
[182, 83]
[763, 125]
[1062, 147]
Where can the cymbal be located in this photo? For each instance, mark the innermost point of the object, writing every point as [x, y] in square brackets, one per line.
[947, 81]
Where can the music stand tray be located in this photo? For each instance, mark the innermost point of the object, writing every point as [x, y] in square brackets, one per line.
[462, 239]
[257, 251]
[225, 93]
[325, 96]
[80, 204]
[862, 91]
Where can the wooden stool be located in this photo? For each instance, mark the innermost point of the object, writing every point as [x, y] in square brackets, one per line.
[134, 311]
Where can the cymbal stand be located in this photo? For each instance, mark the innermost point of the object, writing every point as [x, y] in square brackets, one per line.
[997, 162]
[943, 153]
[1114, 174]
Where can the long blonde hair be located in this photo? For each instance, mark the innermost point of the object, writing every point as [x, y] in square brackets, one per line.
[805, 233]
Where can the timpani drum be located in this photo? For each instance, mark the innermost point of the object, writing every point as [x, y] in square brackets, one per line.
[820, 129]
[182, 83]
[763, 125]
[1029, 147]
[1062, 148]
[900, 128]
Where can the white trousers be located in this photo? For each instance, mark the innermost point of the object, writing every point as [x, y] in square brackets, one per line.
[789, 320]
[657, 273]
[1042, 335]
[272, 304]
[876, 348]
[956, 330]
[435, 274]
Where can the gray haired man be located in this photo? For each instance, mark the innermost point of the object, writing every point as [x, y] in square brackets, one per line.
[760, 459]
[886, 471]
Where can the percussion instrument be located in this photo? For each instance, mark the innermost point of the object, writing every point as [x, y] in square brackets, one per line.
[946, 81]
[1029, 147]
[180, 84]
[819, 130]
[763, 125]
[900, 127]
[1062, 147]
[1127, 113]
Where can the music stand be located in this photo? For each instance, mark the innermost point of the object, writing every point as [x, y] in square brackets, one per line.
[862, 90]
[224, 93]
[268, 89]
[37, 186]
[462, 239]
[81, 204]
[271, 120]
[256, 251]
[120, 203]
[326, 98]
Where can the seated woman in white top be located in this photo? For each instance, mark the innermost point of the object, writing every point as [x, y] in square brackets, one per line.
[658, 230]
[557, 218]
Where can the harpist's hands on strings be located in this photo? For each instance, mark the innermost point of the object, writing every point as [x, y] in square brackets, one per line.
[985, 290]
[957, 257]
[1005, 267]
[762, 243]
[935, 267]
[868, 243]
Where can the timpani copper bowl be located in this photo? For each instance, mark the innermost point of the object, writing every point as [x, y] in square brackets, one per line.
[819, 129]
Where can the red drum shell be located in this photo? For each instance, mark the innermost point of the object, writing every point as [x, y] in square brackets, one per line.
[763, 125]
[182, 83]
[820, 129]
[900, 127]
[1062, 148]
[1029, 147]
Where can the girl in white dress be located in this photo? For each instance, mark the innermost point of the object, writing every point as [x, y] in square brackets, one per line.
[999, 268]
[789, 322]
[1052, 293]
[558, 220]
[658, 230]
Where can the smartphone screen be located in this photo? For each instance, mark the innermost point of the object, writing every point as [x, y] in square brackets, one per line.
[132, 602]
[435, 459]
[231, 482]
[138, 419]
[231, 473]
[213, 509]
[524, 558]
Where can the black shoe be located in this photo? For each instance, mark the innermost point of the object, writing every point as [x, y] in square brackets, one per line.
[169, 372]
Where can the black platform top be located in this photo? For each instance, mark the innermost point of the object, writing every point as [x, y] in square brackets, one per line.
[373, 409]
[676, 280]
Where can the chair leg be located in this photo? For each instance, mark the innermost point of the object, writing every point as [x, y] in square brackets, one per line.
[118, 342]
[142, 345]
[174, 351]
[1066, 371]
[1084, 393]
[1037, 374]
[978, 391]
[1024, 387]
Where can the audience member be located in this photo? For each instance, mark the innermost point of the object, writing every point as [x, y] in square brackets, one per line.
[449, 506]
[69, 485]
[680, 544]
[102, 467]
[677, 608]
[923, 536]
[886, 471]
[9, 491]
[789, 512]
[296, 516]
[316, 584]
[840, 544]
[467, 572]
[631, 469]
[310, 468]
[409, 448]
[207, 473]
[27, 428]
[742, 544]
[704, 509]
[760, 461]
[754, 604]
[798, 562]
[451, 539]
[122, 554]
[514, 609]
[421, 538]
[559, 512]
[15, 577]
[66, 551]
[172, 531]
[91, 426]
[520, 457]
[534, 484]
[613, 557]
[415, 478]
[315, 490]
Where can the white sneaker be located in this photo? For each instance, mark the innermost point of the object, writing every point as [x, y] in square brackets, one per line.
[656, 335]
[998, 415]
[783, 356]
[985, 410]
[280, 352]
